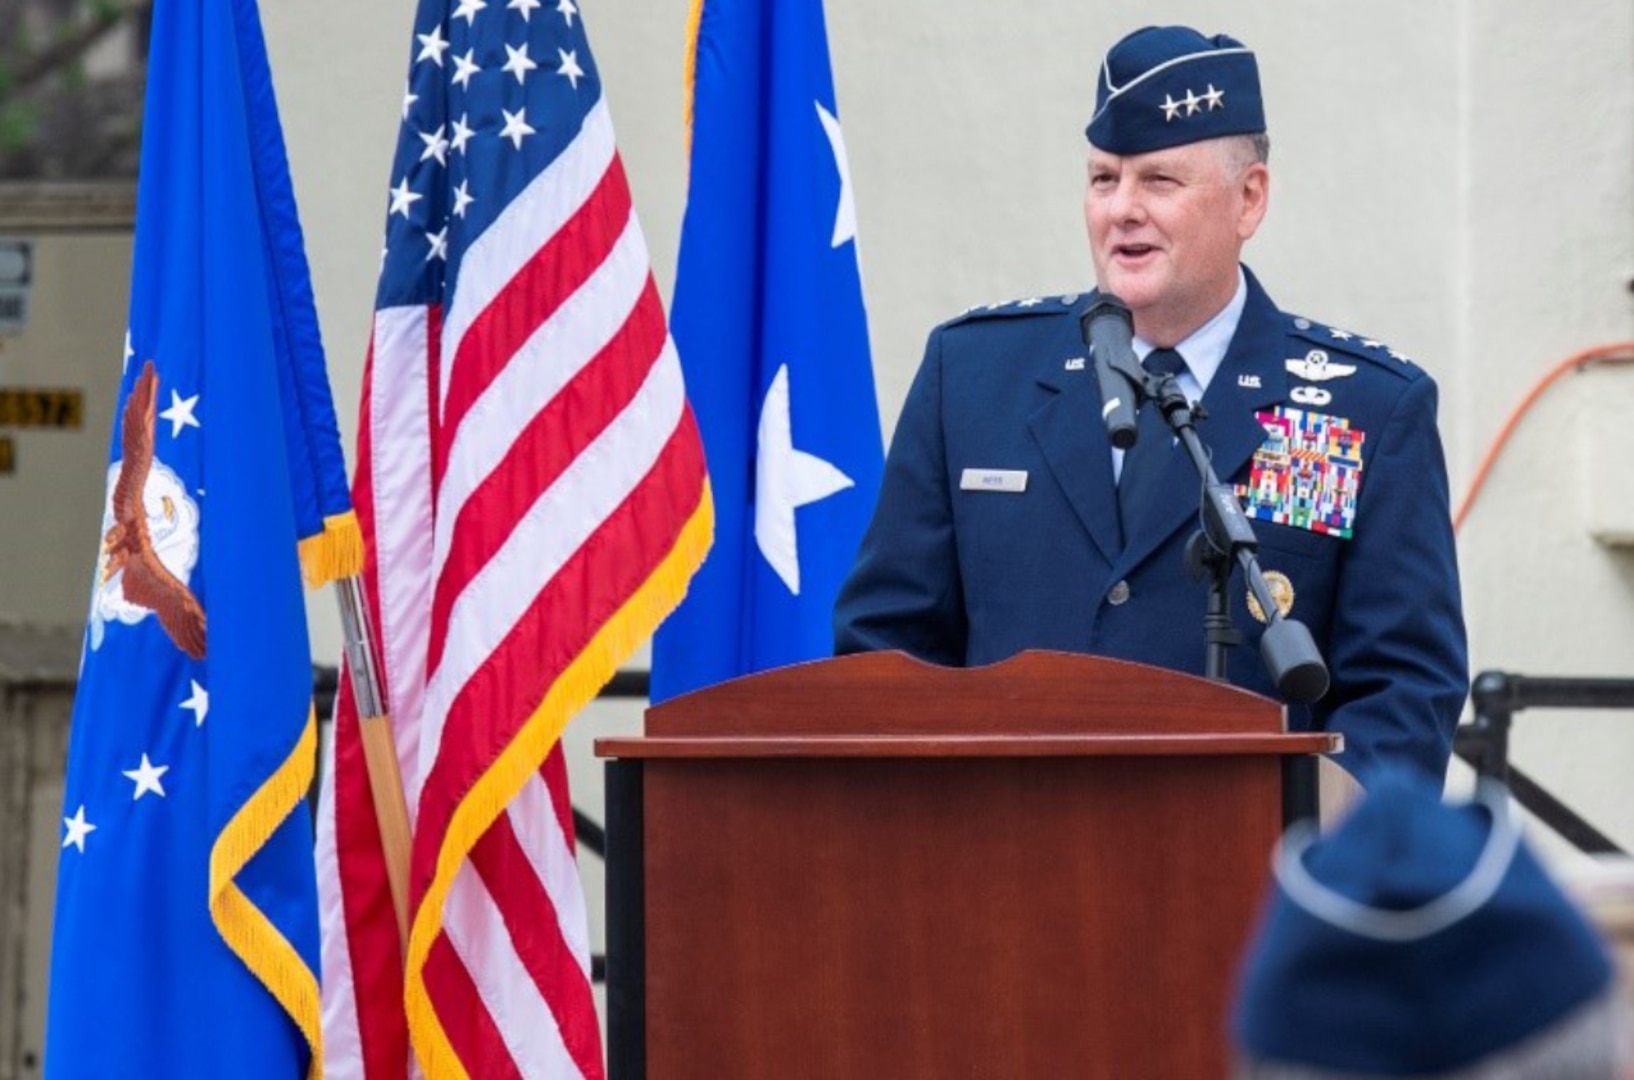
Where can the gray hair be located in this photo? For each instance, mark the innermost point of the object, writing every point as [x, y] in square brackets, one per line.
[1593, 1042]
[1241, 151]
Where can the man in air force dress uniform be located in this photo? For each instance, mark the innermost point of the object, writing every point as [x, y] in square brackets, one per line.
[1007, 521]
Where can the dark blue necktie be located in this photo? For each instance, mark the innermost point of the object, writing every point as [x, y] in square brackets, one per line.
[1144, 463]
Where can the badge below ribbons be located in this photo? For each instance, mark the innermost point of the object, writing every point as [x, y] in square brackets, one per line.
[1307, 473]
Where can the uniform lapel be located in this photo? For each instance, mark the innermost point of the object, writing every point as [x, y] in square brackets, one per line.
[1068, 431]
[1251, 377]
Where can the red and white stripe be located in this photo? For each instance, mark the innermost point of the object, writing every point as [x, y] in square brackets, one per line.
[532, 486]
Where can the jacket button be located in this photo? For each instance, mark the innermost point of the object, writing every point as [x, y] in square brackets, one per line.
[1119, 593]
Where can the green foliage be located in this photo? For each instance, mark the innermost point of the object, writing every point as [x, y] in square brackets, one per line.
[55, 113]
[19, 125]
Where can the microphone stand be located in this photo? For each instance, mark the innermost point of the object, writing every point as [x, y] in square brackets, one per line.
[1227, 540]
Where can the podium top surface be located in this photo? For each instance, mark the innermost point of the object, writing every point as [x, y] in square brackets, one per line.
[1043, 700]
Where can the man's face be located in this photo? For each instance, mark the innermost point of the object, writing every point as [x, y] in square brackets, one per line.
[1166, 229]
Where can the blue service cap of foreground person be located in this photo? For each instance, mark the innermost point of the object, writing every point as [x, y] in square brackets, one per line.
[1165, 86]
[1416, 938]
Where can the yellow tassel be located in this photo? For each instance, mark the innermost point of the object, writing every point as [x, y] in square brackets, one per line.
[253, 937]
[335, 553]
[579, 683]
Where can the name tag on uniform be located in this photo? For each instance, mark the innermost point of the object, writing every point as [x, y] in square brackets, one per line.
[1013, 481]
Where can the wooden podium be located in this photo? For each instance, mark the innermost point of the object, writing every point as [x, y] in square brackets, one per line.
[873, 867]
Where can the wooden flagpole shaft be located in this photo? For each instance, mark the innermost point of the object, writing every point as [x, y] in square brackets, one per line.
[379, 748]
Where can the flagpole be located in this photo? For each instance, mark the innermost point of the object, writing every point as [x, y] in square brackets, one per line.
[379, 747]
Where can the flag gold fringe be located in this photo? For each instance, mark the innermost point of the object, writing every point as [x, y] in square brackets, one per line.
[583, 679]
[252, 936]
[335, 553]
[695, 17]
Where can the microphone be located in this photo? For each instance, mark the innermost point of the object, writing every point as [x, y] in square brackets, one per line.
[1109, 331]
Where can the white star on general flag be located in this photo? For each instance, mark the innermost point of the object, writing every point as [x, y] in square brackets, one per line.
[439, 244]
[436, 145]
[409, 98]
[566, 10]
[180, 413]
[402, 198]
[147, 777]
[786, 479]
[526, 7]
[78, 830]
[465, 67]
[468, 11]
[198, 703]
[462, 198]
[516, 126]
[124, 365]
[432, 46]
[570, 69]
[462, 133]
[845, 215]
[517, 62]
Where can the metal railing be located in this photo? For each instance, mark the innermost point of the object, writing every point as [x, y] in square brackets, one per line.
[1484, 742]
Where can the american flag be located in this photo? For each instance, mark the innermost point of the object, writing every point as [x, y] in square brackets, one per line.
[532, 485]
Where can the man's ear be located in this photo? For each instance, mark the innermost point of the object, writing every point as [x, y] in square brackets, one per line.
[1256, 196]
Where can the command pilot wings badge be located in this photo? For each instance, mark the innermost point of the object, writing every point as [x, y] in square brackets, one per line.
[150, 531]
[1318, 368]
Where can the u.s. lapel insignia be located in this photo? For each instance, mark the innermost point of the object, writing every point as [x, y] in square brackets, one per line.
[1307, 473]
[1317, 367]
[1075, 363]
[1248, 382]
[1282, 591]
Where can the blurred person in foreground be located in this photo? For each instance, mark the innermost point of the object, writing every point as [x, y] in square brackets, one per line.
[1423, 939]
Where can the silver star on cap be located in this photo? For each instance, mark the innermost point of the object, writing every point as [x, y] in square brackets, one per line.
[1171, 108]
[1215, 98]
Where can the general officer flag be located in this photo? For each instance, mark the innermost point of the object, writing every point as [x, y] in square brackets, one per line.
[185, 941]
[769, 321]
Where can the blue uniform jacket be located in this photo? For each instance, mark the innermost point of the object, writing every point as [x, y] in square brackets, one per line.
[968, 577]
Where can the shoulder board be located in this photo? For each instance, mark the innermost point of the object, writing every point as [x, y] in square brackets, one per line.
[1032, 305]
[1333, 339]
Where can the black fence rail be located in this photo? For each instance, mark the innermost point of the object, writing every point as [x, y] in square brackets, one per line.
[1484, 742]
